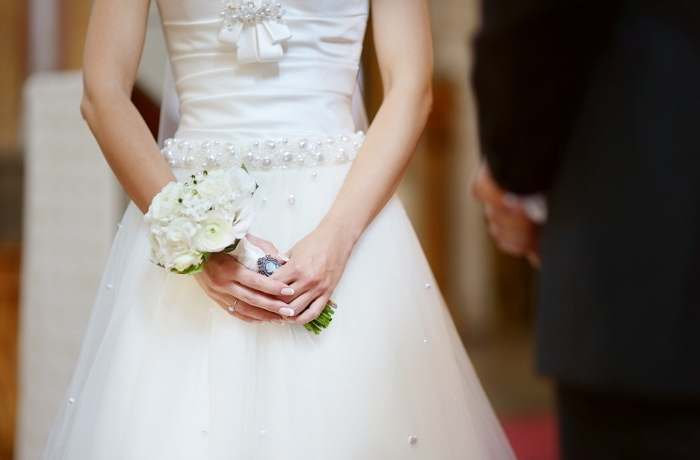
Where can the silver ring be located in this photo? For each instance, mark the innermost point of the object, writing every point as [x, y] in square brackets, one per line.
[267, 265]
[233, 307]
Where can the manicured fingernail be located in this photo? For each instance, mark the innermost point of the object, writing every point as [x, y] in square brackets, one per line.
[279, 322]
[283, 257]
[510, 200]
[286, 311]
[287, 291]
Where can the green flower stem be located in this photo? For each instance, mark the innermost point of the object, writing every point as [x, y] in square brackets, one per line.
[323, 321]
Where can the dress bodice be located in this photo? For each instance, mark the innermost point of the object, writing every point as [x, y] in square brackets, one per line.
[307, 92]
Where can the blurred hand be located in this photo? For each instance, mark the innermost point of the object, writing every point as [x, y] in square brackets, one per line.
[510, 219]
[229, 283]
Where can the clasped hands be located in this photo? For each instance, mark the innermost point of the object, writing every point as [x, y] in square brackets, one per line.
[513, 222]
[308, 275]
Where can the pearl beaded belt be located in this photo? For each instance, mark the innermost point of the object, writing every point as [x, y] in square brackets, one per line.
[268, 154]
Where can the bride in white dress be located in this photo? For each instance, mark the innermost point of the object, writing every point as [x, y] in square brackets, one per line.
[167, 370]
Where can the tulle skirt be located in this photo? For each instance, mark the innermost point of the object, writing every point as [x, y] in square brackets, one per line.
[165, 373]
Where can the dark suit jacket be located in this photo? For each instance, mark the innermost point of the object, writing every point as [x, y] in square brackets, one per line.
[597, 103]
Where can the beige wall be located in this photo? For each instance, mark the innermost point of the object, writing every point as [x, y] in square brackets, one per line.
[437, 186]
[61, 273]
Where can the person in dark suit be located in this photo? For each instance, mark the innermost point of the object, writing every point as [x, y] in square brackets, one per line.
[596, 106]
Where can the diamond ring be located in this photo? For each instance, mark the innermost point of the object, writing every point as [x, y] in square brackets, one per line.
[233, 307]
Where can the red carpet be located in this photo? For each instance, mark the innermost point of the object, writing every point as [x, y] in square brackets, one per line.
[533, 437]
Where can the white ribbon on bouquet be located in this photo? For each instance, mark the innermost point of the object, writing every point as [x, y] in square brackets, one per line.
[247, 254]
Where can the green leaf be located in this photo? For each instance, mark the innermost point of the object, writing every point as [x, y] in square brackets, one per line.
[231, 247]
[190, 271]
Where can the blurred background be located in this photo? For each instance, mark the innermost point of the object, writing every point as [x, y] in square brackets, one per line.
[56, 224]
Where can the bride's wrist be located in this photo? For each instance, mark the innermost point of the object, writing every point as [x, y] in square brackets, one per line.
[343, 236]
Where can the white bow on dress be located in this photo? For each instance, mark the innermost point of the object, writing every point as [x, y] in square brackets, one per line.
[256, 29]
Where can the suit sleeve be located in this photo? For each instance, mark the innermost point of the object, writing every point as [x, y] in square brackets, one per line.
[531, 69]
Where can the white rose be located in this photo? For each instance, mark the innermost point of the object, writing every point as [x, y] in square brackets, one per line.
[181, 231]
[212, 186]
[215, 234]
[158, 238]
[244, 218]
[157, 255]
[165, 205]
[241, 181]
[155, 242]
[172, 189]
[185, 260]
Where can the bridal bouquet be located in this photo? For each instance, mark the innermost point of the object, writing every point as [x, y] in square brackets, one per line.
[189, 221]
[211, 212]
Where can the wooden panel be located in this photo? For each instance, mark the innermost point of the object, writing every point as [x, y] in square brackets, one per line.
[516, 292]
[13, 50]
[9, 293]
[148, 108]
[373, 92]
[75, 15]
[437, 153]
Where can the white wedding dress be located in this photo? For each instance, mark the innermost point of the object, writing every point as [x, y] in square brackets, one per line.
[165, 373]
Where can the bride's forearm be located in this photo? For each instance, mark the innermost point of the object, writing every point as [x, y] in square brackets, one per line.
[404, 53]
[113, 47]
[381, 162]
[127, 144]
[317, 261]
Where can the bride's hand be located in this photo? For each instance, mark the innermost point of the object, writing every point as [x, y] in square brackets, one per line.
[254, 296]
[313, 270]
